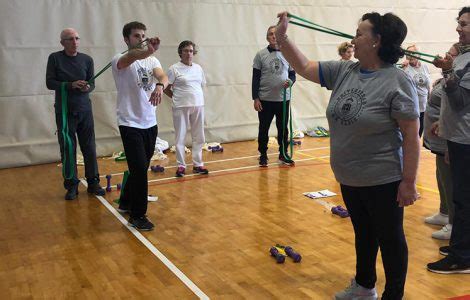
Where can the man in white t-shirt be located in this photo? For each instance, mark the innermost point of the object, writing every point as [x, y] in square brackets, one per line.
[140, 82]
[186, 80]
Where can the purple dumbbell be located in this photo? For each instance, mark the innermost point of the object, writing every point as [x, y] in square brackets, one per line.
[218, 149]
[118, 186]
[340, 211]
[108, 183]
[213, 147]
[292, 254]
[157, 169]
[296, 142]
[278, 256]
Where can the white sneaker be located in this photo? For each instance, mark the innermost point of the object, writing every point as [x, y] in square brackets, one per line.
[444, 233]
[437, 219]
[356, 292]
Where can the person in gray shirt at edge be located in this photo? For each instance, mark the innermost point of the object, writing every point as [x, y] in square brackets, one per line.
[438, 146]
[76, 69]
[454, 126]
[373, 117]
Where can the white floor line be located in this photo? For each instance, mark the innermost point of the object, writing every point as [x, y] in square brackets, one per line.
[248, 167]
[193, 287]
[245, 167]
[228, 159]
[235, 169]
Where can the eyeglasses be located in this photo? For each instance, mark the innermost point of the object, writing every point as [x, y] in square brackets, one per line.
[76, 38]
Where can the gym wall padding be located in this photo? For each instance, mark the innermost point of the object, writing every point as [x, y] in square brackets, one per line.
[228, 34]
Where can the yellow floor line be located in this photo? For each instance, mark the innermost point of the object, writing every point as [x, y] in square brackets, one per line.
[315, 157]
[427, 189]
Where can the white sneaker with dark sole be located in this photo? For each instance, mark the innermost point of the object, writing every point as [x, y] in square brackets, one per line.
[437, 219]
[443, 234]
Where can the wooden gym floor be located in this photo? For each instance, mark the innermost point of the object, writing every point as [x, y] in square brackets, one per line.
[212, 234]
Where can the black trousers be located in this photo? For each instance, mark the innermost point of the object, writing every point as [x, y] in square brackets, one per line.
[139, 146]
[459, 155]
[378, 223]
[80, 126]
[265, 116]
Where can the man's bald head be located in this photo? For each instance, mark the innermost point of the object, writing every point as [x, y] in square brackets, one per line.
[70, 40]
[68, 32]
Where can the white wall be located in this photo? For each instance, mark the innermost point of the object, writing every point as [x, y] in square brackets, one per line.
[228, 33]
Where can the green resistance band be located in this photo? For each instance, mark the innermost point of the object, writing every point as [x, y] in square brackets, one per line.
[284, 115]
[419, 53]
[109, 64]
[318, 27]
[69, 158]
[123, 184]
[416, 54]
[324, 29]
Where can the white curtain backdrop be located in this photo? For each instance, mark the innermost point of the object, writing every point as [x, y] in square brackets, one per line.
[228, 34]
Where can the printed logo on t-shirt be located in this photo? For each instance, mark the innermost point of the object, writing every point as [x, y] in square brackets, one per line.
[420, 79]
[349, 106]
[144, 78]
[276, 66]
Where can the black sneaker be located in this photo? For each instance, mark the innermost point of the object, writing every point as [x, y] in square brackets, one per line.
[263, 160]
[448, 265]
[95, 188]
[444, 250]
[286, 161]
[200, 170]
[72, 193]
[141, 223]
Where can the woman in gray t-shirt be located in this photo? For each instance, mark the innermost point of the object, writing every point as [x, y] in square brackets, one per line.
[373, 117]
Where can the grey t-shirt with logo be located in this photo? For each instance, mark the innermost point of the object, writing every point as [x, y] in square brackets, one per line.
[366, 142]
[274, 72]
[454, 123]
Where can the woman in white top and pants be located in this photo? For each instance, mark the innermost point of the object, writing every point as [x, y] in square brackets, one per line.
[186, 80]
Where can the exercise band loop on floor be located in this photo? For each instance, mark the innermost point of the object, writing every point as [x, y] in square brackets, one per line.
[286, 156]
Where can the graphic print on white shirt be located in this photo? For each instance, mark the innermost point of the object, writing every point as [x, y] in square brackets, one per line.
[420, 80]
[145, 78]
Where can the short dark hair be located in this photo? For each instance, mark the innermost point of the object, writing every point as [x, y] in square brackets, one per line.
[127, 29]
[184, 44]
[392, 31]
[464, 10]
